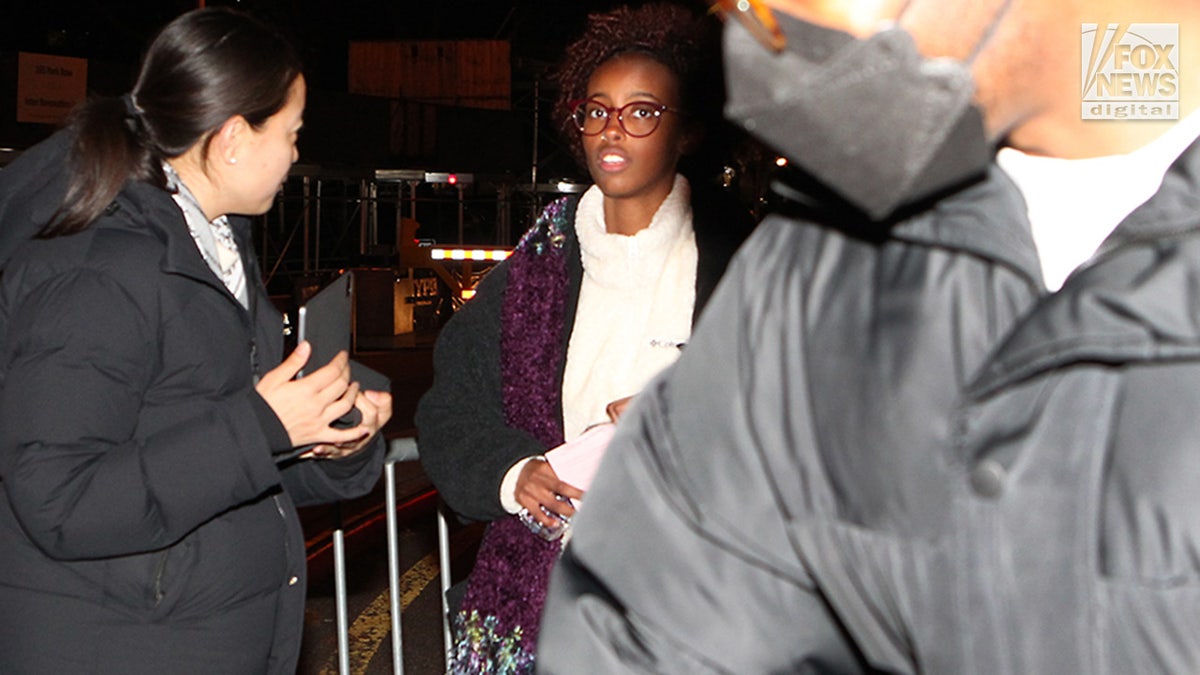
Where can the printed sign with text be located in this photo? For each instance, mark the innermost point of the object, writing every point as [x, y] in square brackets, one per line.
[49, 86]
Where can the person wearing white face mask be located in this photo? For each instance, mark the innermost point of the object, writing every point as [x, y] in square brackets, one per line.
[940, 415]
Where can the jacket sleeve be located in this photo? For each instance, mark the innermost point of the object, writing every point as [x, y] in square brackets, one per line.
[464, 443]
[681, 558]
[81, 476]
[311, 482]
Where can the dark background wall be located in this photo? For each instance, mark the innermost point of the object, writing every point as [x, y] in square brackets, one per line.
[341, 128]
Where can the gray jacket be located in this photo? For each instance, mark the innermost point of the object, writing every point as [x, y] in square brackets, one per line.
[897, 451]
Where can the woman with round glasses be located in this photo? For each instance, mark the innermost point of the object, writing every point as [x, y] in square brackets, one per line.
[599, 296]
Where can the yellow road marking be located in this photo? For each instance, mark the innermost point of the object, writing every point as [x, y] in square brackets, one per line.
[373, 626]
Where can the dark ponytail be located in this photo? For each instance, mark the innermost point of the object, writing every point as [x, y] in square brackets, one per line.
[204, 67]
[106, 151]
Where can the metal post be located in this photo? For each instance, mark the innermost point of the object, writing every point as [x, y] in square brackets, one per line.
[317, 226]
[412, 203]
[305, 210]
[263, 251]
[372, 238]
[536, 112]
[339, 579]
[389, 473]
[399, 450]
[503, 216]
[363, 214]
[444, 568]
[400, 217]
[460, 214]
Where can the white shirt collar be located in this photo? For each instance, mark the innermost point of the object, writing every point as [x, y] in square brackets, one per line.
[1074, 204]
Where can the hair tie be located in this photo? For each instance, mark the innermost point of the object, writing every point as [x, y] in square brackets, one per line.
[133, 114]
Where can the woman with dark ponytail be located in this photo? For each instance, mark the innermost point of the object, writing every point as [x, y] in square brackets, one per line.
[149, 422]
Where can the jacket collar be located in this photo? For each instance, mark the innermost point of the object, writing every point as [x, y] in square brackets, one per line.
[152, 209]
[987, 218]
[984, 217]
[1134, 301]
[1172, 210]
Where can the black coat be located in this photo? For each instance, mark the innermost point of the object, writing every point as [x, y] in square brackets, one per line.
[465, 444]
[145, 526]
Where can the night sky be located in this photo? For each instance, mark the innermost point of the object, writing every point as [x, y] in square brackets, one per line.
[340, 127]
[112, 34]
[117, 30]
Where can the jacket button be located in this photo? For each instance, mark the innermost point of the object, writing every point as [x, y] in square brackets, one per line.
[987, 479]
[293, 581]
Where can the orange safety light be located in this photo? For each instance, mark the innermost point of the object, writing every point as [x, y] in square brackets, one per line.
[479, 254]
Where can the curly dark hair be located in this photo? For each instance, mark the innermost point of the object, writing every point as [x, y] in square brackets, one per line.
[682, 39]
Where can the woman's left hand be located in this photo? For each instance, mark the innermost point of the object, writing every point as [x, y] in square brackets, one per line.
[376, 410]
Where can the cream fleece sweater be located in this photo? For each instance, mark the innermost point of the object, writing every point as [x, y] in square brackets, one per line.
[635, 305]
[634, 311]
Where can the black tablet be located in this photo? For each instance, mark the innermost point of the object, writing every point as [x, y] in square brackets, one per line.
[325, 321]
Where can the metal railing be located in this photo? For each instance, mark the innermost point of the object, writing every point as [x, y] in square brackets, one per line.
[399, 450]
[326, 219]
